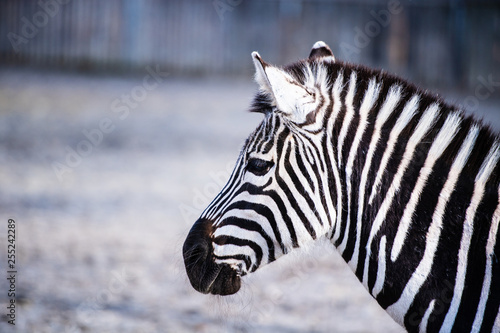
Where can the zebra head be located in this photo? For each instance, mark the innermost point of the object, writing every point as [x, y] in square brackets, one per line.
[275, 199]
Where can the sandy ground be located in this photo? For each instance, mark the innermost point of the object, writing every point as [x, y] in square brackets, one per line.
[105, 176]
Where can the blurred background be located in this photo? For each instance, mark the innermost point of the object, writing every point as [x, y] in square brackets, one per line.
[120, 120]
[443, 43]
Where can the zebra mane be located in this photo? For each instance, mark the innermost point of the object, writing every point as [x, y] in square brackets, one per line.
[261, 103]
[302, 70]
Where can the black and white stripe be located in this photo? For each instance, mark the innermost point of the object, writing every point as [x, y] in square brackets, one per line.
[406, 187]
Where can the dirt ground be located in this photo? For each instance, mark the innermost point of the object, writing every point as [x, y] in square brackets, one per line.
[104, 176]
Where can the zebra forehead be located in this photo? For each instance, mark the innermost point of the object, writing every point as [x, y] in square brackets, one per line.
[263, 137]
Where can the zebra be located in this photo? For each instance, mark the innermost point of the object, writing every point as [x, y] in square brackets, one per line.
[404, 185]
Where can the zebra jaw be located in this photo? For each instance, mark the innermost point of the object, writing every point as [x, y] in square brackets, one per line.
[205, 275]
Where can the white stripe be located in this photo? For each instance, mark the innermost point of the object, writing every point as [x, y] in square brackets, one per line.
[303, 235]
[434, 233]
[496, 326]
[264, 223]
[332, 97]
[425, 123]
[322, 187]
[318, 83]
[425, 319]
[482, 177]
[320, 209]
[439, 144]
[340, 142]
[231, 249]
[379, 283]
[348, 116]
[490, 245]
[213, 208]
[406, 115]
[337, 88]
[337, 103]
[390, 103]
[233, 185]
[248, 214]
[370, 98]
[309, 76]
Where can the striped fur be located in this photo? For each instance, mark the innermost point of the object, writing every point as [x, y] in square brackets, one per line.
[406, 187]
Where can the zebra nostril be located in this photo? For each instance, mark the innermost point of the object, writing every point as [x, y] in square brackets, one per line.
[195, 251]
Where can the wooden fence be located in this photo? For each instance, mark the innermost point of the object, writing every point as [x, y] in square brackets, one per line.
[439, 43]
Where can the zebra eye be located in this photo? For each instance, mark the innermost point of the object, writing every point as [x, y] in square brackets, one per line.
[259, 167]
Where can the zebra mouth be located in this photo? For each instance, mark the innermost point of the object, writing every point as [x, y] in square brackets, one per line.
[226, 281]
[205, 275]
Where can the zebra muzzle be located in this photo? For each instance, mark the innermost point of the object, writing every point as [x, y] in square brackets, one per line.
[205, 275]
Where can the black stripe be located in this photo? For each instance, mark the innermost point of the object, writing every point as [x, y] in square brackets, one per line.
[330, 186]
[290, 195]
[254, 190]
[301, 165]
[369, 212]
[493, 303]
[476, 260]
[299, 187]
[240, 257]
[398, 282]
[228, 192]
[441, 280]
[254, 226]
[265, 134]
[224, 240]
[258, 136]
[321, 187]
[359, 162]
[275, 125]
[415, 244]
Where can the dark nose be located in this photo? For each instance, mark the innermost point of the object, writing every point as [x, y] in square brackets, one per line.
[197, 246]
[196, 252]
[204, 274]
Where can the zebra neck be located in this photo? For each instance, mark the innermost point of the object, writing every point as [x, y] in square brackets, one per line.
[367, 126]
[353, 136]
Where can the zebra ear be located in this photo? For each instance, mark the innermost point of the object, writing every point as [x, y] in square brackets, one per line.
[319, 50]
[289, 96]
[260, 74]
